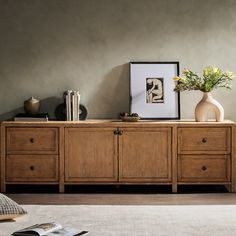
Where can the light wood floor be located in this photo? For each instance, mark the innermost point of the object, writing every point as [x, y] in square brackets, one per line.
[126, 199]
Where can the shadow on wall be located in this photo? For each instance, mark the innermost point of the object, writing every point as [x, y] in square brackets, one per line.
[112, 94]
[47, 105]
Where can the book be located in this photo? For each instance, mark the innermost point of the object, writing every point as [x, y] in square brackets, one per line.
[75, 105]
[68, 94]
[72, 99]
[49, 229]
[29, 117]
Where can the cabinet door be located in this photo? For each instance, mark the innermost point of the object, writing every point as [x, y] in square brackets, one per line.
[90, 155]
[145, 155]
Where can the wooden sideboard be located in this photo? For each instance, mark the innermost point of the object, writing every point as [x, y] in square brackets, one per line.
[113, 152]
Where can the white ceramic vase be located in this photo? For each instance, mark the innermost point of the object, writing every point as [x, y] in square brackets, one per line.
[208, 103]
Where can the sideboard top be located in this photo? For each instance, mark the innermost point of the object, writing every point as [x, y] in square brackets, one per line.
[118, 123]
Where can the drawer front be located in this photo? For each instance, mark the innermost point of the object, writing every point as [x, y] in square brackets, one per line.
[32, 140]
[204, 168]
[31, 168]
[204, 140]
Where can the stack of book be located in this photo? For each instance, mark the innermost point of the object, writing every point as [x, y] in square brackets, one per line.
[30, 117]
[72, 99]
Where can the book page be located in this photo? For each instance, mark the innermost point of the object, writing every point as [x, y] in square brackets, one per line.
[40, 229]
[67, 231]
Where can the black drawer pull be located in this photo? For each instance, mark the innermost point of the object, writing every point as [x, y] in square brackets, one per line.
[204, 140]
[32, 140]
[204, 168]
[32, 168]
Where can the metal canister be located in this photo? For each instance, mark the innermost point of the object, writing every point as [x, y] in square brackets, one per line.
[32, 106]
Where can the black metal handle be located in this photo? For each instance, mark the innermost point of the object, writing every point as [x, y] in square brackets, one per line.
[116, 132]
[204, 168]
[120, 132]
[204, 140]
[32, 168]
[32, 140]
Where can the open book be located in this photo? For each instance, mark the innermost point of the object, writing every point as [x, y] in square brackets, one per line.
[49, 229]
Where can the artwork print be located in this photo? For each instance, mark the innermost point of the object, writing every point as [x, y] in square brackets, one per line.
[152, 94]
[154, 90]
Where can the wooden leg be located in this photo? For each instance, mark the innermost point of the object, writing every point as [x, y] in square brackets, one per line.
[3, 188]
[228, 187]
[61, 188]
[174, 188]
[233, 161]
[174, 160]
[61, 160]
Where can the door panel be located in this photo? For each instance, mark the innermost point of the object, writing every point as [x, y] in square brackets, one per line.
[145, 155]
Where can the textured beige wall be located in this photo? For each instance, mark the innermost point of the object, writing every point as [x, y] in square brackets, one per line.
[48, 46]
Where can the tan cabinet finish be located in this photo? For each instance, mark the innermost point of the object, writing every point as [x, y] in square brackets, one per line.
[204, 168]
[145, 155]
[32, 140]
[30, 155]
[90, 155]
[114, 152]
[204, 140]
[31, 168]
[203, 156]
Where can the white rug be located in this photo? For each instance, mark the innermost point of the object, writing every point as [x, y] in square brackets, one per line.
[106, 220]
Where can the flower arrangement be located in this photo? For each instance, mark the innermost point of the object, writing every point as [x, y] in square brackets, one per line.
[212, 78]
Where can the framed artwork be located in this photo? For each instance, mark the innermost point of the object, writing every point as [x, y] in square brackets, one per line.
[152, 93]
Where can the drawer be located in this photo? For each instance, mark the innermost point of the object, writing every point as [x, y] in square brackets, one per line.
[32, 168]
[204, 168]
[32, 140]
[204, 140]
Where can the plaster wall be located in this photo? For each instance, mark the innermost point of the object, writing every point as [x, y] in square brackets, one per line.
[49, 46]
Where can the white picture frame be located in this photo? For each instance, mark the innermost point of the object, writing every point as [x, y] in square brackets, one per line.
[152, 94]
